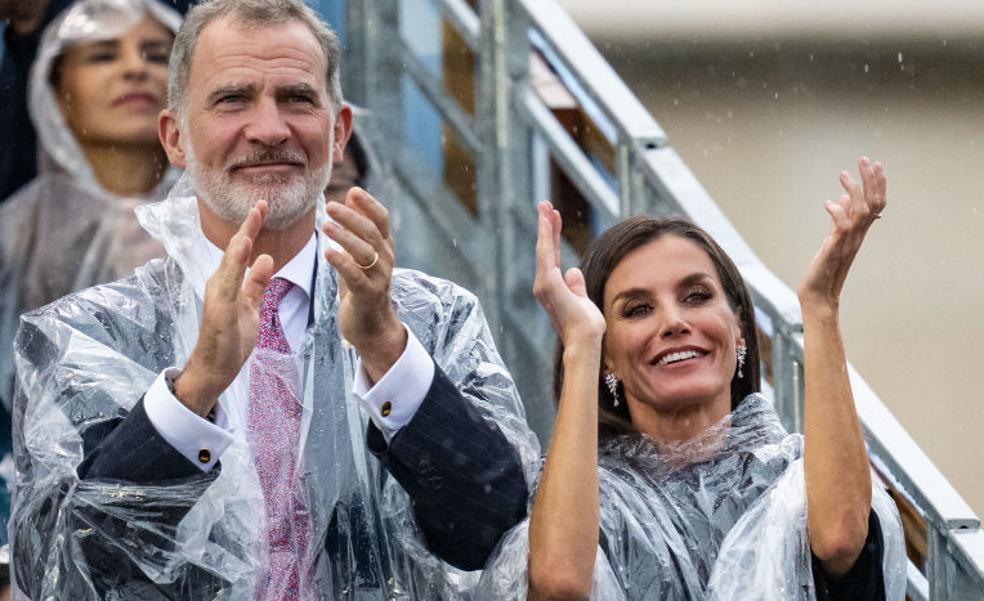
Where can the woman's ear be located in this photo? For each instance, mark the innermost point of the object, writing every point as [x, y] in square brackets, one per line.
[606, 363]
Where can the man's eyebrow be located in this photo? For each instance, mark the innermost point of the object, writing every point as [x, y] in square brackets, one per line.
[105, 44]
[292, 89]
[230, 88]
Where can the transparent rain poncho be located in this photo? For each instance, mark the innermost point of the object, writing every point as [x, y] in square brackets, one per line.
[88, 358]
[63, 231]
[719, 517]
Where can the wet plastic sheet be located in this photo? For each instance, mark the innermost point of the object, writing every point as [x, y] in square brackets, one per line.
[719, 517]
[87, 359]
[63, 231]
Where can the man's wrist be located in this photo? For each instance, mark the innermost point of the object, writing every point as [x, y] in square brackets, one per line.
[381, 352]
[187, 389]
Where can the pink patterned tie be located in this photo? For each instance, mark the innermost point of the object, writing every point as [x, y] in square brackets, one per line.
[274, 429]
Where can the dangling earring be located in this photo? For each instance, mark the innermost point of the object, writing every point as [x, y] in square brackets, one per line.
[612, 383]
[741, 350]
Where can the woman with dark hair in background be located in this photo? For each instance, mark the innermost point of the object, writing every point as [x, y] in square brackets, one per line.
[97, 86]
[668, 476]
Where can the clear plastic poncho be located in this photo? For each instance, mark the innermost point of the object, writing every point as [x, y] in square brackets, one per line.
[63, 231]
[88, 358]
[721, 517]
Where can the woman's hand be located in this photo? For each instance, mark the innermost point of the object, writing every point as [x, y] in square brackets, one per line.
[851, 216]
[564, 519]
[838, 476]
[575, 318]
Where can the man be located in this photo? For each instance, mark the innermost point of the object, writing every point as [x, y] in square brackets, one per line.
[187, 432]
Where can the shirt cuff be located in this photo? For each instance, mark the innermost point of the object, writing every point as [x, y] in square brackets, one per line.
[394, 400]
[199, 440]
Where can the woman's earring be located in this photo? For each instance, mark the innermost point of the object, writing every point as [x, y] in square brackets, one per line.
[741, 350]
[612, 383]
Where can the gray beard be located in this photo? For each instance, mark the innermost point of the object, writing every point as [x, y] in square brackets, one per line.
[288, 197]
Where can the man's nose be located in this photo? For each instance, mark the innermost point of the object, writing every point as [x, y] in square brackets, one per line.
[267, 125]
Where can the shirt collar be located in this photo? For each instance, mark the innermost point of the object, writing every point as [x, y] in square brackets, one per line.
[297, 271]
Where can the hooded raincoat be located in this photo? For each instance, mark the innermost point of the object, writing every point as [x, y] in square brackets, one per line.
[63, 231]
[720, 517]
[86, 360]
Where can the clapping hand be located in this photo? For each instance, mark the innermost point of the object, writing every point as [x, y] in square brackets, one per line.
[365, 263]
[563, 295]
[851, 216]
[230, 319]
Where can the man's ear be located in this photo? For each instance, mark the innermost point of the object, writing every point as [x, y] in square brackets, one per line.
[343, 131]
[171, 138]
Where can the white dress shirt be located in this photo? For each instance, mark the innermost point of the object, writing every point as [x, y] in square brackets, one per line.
[401, 389]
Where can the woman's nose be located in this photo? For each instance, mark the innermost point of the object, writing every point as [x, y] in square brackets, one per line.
[673, 323]
[135, 64]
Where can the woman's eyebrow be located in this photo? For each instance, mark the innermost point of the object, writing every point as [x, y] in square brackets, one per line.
[629, 293]
[697, 277]
[103, 44]
[157, 43]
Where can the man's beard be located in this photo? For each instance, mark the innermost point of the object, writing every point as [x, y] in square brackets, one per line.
[287, 195]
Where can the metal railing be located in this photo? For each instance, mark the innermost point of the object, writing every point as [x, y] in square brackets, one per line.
[514, 141]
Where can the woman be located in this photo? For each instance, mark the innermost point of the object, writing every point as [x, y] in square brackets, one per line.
[98, 83]
[668, 476]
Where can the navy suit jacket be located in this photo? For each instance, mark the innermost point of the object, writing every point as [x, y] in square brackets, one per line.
[447, 458]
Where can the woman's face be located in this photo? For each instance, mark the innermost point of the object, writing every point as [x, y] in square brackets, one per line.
[111, 91]
[671, 333]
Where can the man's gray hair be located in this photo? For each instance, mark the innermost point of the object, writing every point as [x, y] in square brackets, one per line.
[251, 13]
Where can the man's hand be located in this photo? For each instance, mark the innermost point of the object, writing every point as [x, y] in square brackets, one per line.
[366, 316]
[230, 319]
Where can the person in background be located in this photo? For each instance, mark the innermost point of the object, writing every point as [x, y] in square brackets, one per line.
[98, 83]
[25, 20]
[668, 475]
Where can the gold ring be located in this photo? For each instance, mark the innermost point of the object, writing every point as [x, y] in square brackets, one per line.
[375, 259]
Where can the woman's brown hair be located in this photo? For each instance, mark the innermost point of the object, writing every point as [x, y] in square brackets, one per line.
[606, 252]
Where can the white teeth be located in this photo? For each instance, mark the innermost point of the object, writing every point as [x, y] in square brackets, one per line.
[678, 356]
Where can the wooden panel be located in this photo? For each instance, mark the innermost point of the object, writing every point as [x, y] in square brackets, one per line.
[459, 82]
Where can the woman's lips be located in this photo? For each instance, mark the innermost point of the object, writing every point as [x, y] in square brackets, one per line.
[678, 356]
[137, 100]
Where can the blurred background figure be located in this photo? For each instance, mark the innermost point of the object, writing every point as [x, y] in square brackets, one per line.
[96, 88]
[21, 22]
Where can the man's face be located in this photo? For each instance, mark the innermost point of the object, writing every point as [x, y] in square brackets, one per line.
[258, 121]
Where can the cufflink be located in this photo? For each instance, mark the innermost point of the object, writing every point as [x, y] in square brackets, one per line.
[386, 409]
[204, 455]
